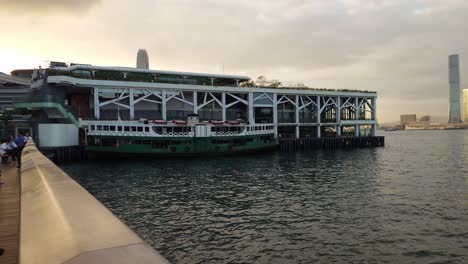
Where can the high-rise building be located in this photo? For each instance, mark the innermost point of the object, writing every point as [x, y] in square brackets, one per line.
[425, 118]
[454, 79]
[142, 59]
[465, 105]
[405, 119]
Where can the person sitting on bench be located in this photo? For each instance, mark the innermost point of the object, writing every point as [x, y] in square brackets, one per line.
[4, 149]
[11, 149]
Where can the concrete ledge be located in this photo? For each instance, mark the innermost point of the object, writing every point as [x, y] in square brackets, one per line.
[62, 223]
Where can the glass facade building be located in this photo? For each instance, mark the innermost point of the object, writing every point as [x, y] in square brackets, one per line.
[465, 105]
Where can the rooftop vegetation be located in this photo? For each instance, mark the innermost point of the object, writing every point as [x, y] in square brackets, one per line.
[263, 82]
[260, 82]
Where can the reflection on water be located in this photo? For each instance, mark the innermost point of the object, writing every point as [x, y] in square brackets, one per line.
[407, 202]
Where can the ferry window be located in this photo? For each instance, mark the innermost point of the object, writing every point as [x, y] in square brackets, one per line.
[119, 128]
[106, 128]
[133, 128]
[158, 130]
[112, 128]
[92, 127]
[140, 129]
[146, 129]
[99, 128]
[126, 128]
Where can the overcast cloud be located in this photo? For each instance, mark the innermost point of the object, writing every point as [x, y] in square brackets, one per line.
[398, 48]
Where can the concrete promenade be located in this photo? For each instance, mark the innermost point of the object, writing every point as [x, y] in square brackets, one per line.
[9, 213]
[58, 221]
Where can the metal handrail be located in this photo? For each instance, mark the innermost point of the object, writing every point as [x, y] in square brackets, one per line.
[46, 99]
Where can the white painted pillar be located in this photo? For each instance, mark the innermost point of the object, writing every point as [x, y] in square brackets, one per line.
[374, 116]
[356, 107]
[296, 108]
[338, 116]
[223, 105]
[251, 109]
[374, 108]
[96, 103]
[318, 117]
[164, 105]
[195, 102]
[131, 103]
[275, 113]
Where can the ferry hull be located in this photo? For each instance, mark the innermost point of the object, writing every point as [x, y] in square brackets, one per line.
[200, 148]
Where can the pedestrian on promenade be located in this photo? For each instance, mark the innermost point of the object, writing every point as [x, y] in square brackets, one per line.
[20, 142]
[3, 154]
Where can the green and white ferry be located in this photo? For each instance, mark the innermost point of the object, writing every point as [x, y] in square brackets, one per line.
[177, 137]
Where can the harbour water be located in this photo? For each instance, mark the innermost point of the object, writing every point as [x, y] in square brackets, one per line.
[405, 203]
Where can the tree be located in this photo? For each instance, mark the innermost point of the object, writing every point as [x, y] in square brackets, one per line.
[299, 85]
[274, 84]
[249, 83]
[261, 81]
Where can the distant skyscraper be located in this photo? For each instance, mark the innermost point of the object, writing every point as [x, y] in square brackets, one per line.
[142, 59]
[405, 119]
[465, 105]
[454, 79]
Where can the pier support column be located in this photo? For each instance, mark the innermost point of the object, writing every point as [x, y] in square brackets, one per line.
[374, 108]
[356, 108]
[195, 102]
[223, 105]
[251, 109]
[164, 105]
[374, 116]
[275, 113]
[356, 130]
[96, 103]
[131, 103]
[296, 108]
[318, 117]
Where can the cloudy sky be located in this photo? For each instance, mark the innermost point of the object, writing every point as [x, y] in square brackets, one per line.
[396, 47]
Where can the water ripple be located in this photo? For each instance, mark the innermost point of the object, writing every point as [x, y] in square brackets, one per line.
[403, 203]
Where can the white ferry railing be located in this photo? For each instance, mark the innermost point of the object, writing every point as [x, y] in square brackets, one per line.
[151, 130]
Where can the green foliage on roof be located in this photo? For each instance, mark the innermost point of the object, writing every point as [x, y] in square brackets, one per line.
[263, 82]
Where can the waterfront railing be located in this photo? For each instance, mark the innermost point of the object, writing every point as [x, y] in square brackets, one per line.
[62, 223]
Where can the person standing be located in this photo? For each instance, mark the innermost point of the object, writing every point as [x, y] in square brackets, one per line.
[20, 142]
[27, 137]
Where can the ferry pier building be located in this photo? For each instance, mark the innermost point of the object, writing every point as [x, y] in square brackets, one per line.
[90, 100]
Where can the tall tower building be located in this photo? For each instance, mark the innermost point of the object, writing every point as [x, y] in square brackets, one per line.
[454, 79]
[142, 59]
